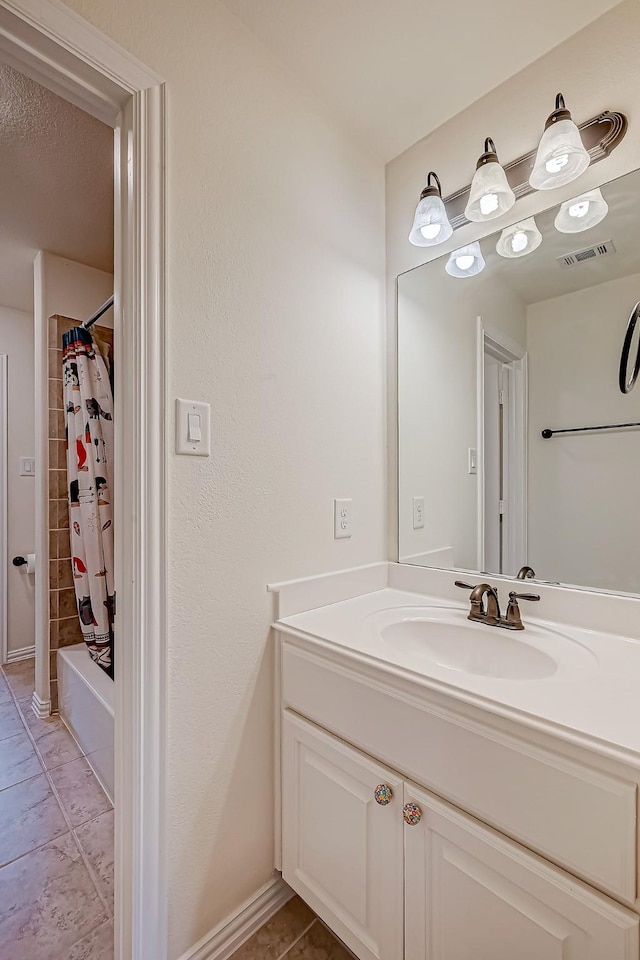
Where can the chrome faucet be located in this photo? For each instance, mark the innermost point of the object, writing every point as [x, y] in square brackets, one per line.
[491, 615]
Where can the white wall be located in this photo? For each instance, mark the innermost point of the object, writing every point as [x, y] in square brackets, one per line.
[275, 316]
[16, 340]
[597, 69]
[584, 524]
[71, 290]
[437, 404]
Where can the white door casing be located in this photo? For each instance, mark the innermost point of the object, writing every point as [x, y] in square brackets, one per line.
[50, 43]
[514, 360]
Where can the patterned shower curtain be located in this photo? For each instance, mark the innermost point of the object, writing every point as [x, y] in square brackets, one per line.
[88, 404]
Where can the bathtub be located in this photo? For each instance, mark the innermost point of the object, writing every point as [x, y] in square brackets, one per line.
[86, 701]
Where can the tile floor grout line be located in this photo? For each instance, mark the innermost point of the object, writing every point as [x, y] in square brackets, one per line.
[296, 941]
[71, 828]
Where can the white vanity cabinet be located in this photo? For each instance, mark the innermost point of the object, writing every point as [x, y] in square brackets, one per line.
[471, 894]
[449, 886]
[342, 851]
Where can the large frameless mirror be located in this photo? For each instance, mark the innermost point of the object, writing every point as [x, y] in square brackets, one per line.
[519, 453]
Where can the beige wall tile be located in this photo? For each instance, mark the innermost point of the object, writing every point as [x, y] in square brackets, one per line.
[63, 546]
[63, 514]
[67, 606]
[55, 364]
[57, 484]
[69, 631]
[60, 574]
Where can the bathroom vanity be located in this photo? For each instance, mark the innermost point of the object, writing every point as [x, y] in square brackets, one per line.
[451, 790]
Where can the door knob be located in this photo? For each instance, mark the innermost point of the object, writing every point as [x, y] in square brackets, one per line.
[412, 814]
[383, 794]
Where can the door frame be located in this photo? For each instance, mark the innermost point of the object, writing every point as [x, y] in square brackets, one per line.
[4, 510]
[59, 49]
[510, 352]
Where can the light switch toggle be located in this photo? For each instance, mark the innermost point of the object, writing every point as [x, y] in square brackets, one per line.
[192, 428]
[194, 432]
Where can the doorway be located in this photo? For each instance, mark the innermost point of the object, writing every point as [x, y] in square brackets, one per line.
[54, 46]
[502, 468]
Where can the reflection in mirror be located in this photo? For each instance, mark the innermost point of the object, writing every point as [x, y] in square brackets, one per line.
[487, 362]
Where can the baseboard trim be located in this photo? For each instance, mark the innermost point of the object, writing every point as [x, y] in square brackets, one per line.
[41, 708]
[24, 653]
[229, 935]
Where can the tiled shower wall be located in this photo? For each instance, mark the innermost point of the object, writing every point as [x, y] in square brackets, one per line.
[64, 626]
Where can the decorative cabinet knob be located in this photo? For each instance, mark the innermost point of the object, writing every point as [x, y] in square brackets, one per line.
[383, 794]
[412, 814]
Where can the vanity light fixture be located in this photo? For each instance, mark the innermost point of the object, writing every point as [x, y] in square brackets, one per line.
[561, 155]
[430, 224]
[519, 240]
[466, 261]
[490, 195]
[582, 212]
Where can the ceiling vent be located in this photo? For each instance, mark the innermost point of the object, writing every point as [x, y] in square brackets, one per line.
[589, 253]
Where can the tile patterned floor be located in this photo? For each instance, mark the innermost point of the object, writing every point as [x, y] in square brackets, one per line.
[295, 933]
[56, 836]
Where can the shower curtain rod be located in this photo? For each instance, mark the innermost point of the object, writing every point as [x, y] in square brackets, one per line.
[96, 316]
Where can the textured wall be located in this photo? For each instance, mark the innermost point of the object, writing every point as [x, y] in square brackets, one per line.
[597, 69]
[16, 340]
[275, 316]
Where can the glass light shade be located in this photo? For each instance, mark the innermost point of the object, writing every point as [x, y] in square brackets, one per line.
[430, 224]
[582, 212]
[519, 240]
[490, 195]
[466, 261]
[561, 156]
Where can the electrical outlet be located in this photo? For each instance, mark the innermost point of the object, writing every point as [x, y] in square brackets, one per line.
[341, 519]
[418, 513]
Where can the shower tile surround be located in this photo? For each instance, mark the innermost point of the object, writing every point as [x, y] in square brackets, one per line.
[56, 836]
[64, 627]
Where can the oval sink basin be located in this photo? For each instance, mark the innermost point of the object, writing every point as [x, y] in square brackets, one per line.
[495, 653]
[442, 637]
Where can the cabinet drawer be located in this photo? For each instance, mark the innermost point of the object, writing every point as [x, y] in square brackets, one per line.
[572, 813]
[471, 893]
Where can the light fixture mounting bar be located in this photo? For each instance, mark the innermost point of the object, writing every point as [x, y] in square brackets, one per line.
[600, 135]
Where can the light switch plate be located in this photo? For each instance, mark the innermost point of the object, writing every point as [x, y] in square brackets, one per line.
[27, 467]
[187, 412]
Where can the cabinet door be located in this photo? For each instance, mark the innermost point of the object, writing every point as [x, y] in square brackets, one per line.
[471, 894]
[342, 838]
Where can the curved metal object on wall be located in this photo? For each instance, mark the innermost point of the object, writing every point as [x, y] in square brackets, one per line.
[626, 382]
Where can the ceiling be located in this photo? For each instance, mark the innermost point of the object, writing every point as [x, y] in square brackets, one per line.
[539, 275]
[394, 71]
[56, 188]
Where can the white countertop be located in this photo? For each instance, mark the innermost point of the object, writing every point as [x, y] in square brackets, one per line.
[594, 694]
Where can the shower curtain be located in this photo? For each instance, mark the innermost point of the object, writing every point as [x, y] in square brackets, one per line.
[88, 405]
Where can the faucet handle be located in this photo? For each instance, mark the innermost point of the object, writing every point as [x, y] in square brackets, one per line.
[513, 620]
[465, 586]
